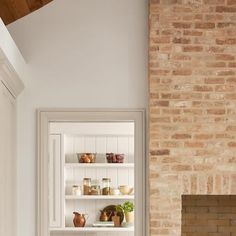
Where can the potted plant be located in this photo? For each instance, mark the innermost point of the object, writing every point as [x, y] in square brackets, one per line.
[128, 209]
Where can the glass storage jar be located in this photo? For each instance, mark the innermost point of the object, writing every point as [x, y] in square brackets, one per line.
[106, 186]
[76, 190]
[95, 190]
[87, 186]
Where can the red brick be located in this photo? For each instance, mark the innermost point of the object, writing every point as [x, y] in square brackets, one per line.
[226, 72]
[216, 111]
[193, 32]
[203, 136]
[215, 2]
[216, 49]
[232, 64]
[231, 2]
[183, 72]
[181, 167]
[229, 41]
[160, 40]
[231, 80]
[192, 48]
[214, 80]
[181, 136]
[206, 25]
[181, 25]
[192, 17]
[162, 103]
[168, 2]
[194, 144]
[232, 144]
[231, 128]
[225, 24]
[215, 64]
[180, 57]
[182, 40]
[203, 167]
[160, 152]
[202, 88]
[214, 17]
[225, 57]
[225, 88]
[225, 9]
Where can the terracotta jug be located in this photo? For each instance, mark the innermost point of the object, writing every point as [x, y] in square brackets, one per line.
[116, 220]
[79, 219]
[105, 216]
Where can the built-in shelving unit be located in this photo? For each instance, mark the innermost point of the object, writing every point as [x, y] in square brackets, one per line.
[72, 173]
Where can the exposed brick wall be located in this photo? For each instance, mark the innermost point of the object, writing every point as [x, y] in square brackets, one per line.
[192, 78]
[204, 215]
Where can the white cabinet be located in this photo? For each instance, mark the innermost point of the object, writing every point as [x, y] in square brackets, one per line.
[7, 163]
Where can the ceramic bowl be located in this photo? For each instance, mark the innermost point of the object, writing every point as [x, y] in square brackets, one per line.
[114, 191]
[125, 189]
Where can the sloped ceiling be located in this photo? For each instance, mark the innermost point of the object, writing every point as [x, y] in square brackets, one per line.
[12, 10]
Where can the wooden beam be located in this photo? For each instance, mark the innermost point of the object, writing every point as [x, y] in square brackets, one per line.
[11, 10]
[6, 12]
[19, 8]
[34, 4]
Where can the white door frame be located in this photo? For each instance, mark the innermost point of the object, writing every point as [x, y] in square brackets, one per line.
[45, 116]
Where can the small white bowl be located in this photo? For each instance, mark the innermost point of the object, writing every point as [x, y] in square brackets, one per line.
[114, 191]
[125, 189]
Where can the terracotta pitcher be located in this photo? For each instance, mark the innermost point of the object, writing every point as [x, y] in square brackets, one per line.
[79, 219]
[105, 216]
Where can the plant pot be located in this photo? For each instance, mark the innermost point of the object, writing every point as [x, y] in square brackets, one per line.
[129, 217]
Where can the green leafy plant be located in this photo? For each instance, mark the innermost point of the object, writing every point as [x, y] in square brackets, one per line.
[126, 207]
[119, 208]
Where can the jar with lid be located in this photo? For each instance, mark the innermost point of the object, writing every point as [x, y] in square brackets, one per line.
[95, 190]
[76, 190]
[87, 186]
[106, 186]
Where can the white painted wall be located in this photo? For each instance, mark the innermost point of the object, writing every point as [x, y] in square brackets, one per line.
[83, 54]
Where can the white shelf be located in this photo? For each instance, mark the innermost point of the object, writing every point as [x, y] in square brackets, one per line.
[93, 229]
[101, 165]
[92, 197]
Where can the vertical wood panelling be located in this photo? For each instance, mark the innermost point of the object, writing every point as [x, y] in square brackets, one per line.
[90, 144]
[55, 181]
[101, 144]
[131, 149]
[79, 145]
[123, 146]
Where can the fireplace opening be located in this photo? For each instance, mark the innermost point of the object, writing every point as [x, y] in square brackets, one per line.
[208, 215]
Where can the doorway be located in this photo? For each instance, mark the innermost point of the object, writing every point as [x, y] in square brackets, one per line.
[106, 148]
